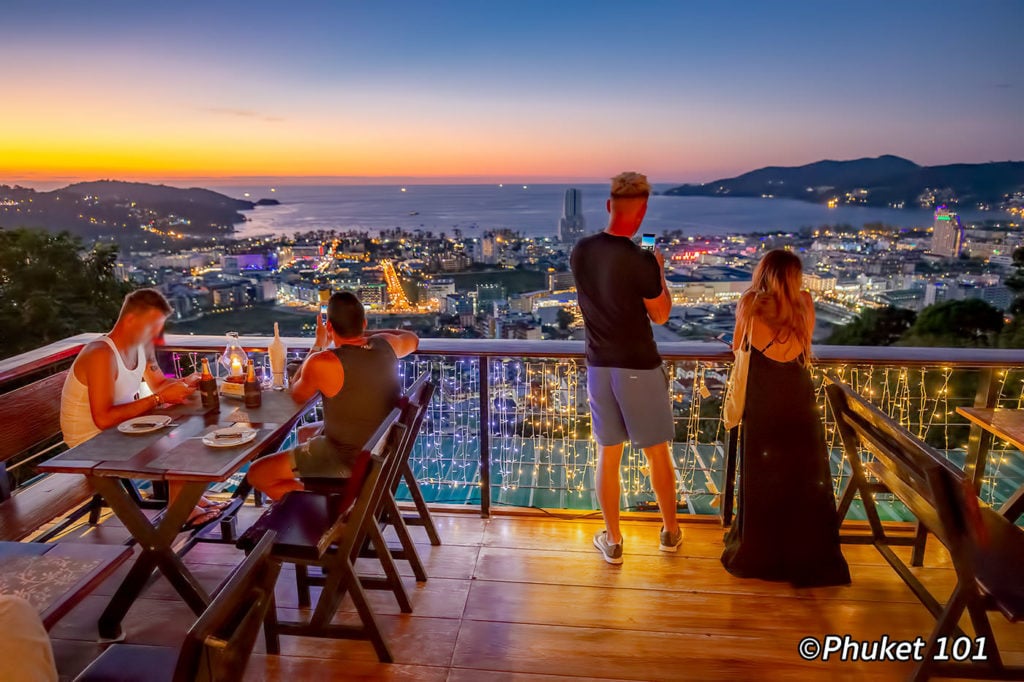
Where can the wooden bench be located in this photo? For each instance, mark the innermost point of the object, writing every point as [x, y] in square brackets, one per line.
[986, 549]
[30, 422]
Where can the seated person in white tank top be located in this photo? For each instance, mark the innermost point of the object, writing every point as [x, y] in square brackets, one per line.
[102, 388]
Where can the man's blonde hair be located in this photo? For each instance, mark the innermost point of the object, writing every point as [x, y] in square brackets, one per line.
[630, 184]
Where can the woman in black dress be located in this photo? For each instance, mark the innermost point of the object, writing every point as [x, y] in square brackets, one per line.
[786, 526]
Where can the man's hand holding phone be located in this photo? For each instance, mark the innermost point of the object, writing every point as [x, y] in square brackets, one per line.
[322, 336]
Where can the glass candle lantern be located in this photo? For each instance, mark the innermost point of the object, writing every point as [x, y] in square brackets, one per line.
[234, 358]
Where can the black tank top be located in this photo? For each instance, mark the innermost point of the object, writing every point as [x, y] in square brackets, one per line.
[369, 393]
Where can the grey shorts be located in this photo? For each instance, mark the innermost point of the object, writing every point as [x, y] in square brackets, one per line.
[630, 404]
[319, 457]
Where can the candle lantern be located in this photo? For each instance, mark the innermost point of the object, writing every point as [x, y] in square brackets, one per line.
[234, 358]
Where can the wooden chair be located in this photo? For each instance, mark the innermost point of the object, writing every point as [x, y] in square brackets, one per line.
[422, 517]
[987, 550]
[413, 405]
[217, 648]
[326, 530]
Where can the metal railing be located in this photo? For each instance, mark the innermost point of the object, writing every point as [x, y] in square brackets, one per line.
[510, 423]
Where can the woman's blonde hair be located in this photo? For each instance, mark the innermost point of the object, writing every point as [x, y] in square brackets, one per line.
[775, 297]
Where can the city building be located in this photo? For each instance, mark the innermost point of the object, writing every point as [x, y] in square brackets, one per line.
[561, 281]
[947, 234]
[434, 290]
[572, 226]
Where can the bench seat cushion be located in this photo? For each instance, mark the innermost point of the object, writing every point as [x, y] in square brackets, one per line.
[998, 565]
[51, 497]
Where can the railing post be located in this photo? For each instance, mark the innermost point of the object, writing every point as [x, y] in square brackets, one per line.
[485, 438]
[980, 441]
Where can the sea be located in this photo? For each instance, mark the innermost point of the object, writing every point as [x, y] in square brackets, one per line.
[534, 210]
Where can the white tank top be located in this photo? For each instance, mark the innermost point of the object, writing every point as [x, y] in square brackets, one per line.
[76, 422]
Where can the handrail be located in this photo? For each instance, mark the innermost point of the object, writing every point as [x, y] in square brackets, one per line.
[909, 356]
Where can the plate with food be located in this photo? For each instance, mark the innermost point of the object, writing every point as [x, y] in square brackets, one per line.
[229, 437]
[148, 424]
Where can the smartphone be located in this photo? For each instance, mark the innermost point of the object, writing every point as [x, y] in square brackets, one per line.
[726, 338]
[647, 241]
[323, 313]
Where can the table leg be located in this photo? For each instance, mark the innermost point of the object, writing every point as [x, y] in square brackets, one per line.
[155, 542]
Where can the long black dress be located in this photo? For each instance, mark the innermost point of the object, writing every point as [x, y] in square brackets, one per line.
[786, 527]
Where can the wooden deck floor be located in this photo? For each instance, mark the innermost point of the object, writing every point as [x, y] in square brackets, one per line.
[515, 598]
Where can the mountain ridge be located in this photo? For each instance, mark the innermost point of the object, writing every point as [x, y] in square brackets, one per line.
[886, 180]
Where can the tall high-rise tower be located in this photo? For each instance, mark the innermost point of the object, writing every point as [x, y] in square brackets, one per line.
[572, 226]
[947, 233]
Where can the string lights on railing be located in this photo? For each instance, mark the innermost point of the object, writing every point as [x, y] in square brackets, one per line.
[542, 452]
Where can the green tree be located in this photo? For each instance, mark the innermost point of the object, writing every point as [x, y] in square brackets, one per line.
[564, 319]
[874, 327]
[51, 287]
[971, 323]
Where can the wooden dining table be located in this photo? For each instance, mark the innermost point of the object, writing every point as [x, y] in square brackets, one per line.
[1007, 425]
[175, 453]
[56, 576]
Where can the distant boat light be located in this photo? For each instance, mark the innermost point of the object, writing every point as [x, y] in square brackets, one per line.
[403, 189]
[272, 189]
[524, 186]
[246, 194]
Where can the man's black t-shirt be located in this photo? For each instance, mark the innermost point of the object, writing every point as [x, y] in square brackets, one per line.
[613, 277]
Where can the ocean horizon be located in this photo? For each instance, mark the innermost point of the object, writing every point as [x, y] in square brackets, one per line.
[534, 210]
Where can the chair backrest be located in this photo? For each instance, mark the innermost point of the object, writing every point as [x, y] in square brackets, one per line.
[30, 415]
[218, 646]
[414, 409]
[932, 487]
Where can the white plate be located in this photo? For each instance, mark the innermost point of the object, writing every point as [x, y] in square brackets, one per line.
[153, 422]
[229, 437]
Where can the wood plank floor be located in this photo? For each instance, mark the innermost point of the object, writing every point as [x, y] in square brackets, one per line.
[526, 598]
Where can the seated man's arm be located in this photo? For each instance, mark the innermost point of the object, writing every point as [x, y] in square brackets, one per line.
[402, 342]
[317, 371]
[170, 390]
[98, 367]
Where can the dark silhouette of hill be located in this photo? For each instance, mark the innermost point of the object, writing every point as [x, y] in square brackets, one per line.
[881, 181]
[126, 212]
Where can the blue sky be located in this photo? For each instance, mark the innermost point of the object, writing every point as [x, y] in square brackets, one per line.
[687, 91]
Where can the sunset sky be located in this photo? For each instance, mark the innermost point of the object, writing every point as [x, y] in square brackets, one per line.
[500, 90]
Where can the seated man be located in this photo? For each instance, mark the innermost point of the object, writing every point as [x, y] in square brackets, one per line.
[358, 380]
[102, 388]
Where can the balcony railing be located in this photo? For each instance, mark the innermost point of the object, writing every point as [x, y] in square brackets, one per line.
[510, 424]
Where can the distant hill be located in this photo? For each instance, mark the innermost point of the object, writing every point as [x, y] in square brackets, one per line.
[123, 211]
[882, 181]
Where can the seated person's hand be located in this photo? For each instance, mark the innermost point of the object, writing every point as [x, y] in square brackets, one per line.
[192, 380]
[176, 392]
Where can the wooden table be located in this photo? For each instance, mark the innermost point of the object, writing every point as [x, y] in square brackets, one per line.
[175, 453]
[1007, 425]
[55, 577]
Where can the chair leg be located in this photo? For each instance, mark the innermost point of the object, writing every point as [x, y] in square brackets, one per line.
[421, 504]
[917, 555]
[95, 509]
[302, 585]
[411, 555]
[388, 564]
[270, 633]
[943, 625]
[366, 615]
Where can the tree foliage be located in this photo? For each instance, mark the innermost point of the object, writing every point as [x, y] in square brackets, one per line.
[52, 288]
[970, 323]
[874, 327]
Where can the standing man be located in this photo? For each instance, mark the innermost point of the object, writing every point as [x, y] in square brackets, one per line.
[621, 290]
